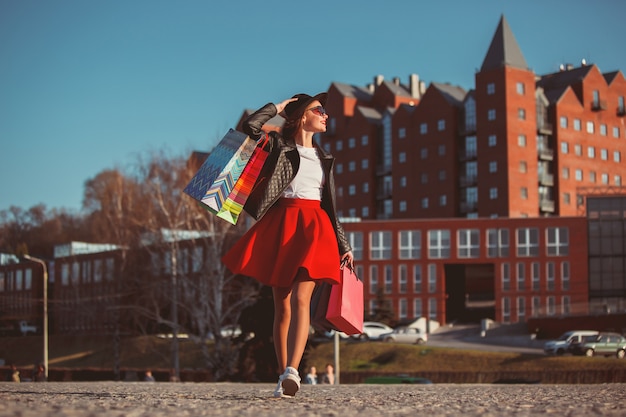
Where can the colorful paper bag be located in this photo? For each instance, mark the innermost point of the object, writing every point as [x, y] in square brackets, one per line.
[215, 179]
[345, 305]
[233, 205]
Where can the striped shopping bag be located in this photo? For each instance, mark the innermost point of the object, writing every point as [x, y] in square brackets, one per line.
[233, 205]
[218, 174]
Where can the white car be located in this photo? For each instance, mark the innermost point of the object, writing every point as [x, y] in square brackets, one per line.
[406, 335]
[373, 330]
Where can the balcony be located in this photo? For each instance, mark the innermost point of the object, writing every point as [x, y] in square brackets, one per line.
[469, 206]
[383, 170]
[546, 154]
[546, 205]
[621, 111]
[467, 154]
[598, 105]
[383, 194]
[545, 128]
[468, 180]
[546, 179]
[467, 129]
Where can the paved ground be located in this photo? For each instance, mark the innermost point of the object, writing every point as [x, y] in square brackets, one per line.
[111, 399]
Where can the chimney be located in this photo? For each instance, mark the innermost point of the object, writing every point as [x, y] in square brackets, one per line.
[396, 80]
[414, 85]
[378, 80]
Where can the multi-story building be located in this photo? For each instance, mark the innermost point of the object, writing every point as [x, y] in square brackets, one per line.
[517, 145]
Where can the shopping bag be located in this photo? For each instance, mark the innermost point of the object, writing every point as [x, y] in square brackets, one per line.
[319, 307]
[345, 305]
[216, 177]
[233, 205]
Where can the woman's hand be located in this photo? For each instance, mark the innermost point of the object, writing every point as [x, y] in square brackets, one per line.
[281, 106]
[348, 259]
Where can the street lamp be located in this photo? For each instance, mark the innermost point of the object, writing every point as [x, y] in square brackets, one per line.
[45, 310]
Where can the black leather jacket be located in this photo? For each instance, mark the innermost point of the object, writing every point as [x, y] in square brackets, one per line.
[281, 167]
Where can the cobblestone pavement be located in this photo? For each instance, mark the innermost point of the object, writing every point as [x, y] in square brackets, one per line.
[117, 399]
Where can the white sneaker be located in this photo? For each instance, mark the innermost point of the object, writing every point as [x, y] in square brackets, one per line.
[290, 382]
[278, 392]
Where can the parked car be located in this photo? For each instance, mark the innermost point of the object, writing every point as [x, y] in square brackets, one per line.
[406, 335]
[563, 343]
[373, 330]
[606, 344]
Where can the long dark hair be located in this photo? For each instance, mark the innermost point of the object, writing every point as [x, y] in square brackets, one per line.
[293, 125]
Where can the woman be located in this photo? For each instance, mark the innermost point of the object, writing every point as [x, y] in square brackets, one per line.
[298, 239]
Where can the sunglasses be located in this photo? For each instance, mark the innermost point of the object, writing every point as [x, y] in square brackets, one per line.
[319, 110]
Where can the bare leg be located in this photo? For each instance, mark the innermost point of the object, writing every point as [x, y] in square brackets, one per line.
[282, 318]
[300, 321]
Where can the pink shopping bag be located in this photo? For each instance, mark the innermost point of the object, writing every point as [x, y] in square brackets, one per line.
[345, 305]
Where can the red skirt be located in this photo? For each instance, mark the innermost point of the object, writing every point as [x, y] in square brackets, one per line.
[293, 234]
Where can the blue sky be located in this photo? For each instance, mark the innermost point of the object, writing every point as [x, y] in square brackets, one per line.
[90, 85]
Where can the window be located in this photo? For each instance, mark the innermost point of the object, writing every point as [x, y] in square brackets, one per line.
[617, 180]
[491, 88]
[493, 166]
[417, 308]
[441, 150]
[373, 279]
[521, 309]
[402, 132]
[527, 241]
[577, 125]
[492, 140]
[438, 244]
[365, 212]
[521, 114]
[424, 178]
[351, 166]
[521, 276]
[524, 193]
[402, 157]
[424, 203]
[506, 277]
[565, 173]
[423, 128]
[493, 193]
[564, 147]
[591, 152]
[550, 275]
[616, 132]
[566, 198]
[592, 176]
[442, 175]
[339, 145]
[443, 200]
[403, 313]
[497, 243]
[432, 308]
[536, 306]
[410, 244]
[339, 168]
[424, 153]
[557, 241]
[603, 130]
[351, 143]
[356, 241]
[604, 154]
[402, 278]
[468, 243]
[491, 114]
[402, 182]
[352, 189]
[535, 271]
[506, 309]
[578, 150]
[590, 127]
[197, 257]
[563, 122]
[605, 178]
[617, 156]
[519, 87]
[565, 305]
[521, 141]
[365, 187]
[441, 125]
[380, 245]
[364, 140]
[565, 276]
[432, 278]
[388, 279]
[523, 167]
[578, 174]
[365, 163]
[417, 279]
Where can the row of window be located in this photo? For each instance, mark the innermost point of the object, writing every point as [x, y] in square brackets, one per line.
[590, 127]
[18, 280]
[410, 277]
[591, 176]
[497, 243]
[87, 271]
[537, 309]
[591, 152]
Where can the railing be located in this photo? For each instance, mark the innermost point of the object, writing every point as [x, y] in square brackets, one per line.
[598, 105]
[546, 205]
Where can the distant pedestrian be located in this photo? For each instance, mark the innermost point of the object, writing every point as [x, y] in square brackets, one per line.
[14, 376]
[148, 376]
[311, 377]
[39, 373]
[329, 376]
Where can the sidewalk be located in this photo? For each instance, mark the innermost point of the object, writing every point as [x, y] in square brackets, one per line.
[115, 399]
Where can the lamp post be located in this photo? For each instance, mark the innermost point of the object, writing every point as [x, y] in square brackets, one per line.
[45, 309]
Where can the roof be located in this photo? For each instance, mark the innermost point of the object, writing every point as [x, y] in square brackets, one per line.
[503, 50]
[372, 115]
[453, 94]
[359, 93]
[564, 78]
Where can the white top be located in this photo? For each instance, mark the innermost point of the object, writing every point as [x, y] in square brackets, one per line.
[308, 182]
